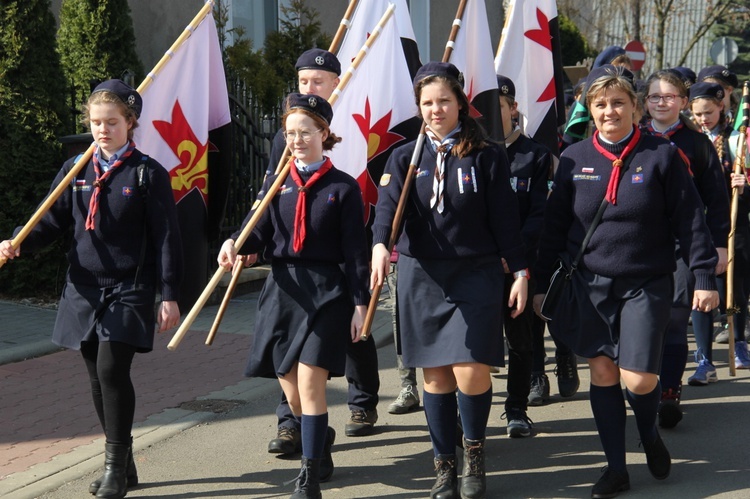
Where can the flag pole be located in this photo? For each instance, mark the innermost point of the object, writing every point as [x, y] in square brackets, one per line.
[266, 201]
[401, 206]
[86, 156]
[343, 26]
[739, 167]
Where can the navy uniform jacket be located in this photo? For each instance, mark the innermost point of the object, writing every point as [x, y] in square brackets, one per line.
[480, 216]
[109, 254]
[530, 164]
[335, 227]
[656, 202]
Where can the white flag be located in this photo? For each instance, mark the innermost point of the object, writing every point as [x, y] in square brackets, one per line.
[473, 56]
[186, 100]
[378, 99]
[526, 55]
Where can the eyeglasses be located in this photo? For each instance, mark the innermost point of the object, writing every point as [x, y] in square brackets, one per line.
[668, 98]
[305, 135]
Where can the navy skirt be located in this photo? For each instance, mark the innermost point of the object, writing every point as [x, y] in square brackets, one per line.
[304, 315]
[122, 313]
[624, 318]
[450, 311]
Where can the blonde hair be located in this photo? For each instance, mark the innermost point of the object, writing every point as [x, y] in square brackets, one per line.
[614, 81]
[107, 97]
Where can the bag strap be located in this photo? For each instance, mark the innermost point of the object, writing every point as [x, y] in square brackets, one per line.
[598, 218]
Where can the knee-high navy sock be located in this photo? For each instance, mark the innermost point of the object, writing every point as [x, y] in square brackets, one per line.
[673, 362]
[442, 417]
[314, 432]
[475, 411]
[608, 406]
[645, 408]
[703, 329]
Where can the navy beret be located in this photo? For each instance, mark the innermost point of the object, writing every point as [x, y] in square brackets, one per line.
[609, 70]
[444, 69]
[312, 103]
[319, 59]
[506, 86]
[686, 74]
[721, 73]
[127, 94]
[607, 55]
[706, 89]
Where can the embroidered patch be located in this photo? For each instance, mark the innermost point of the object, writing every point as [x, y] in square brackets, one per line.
[523, 185]
[586, 177]
[385, 179]
[420, 173]
[639, 169]
[285, 190]
[127, 191]
[637, 178]
[587, 170]
[80, 185]
[331, 198]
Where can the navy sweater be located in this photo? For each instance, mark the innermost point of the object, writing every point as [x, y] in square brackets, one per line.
[656, 202]
[335, 227]
[109, 254]
[709, 180]
[480, 221]
[530, 164]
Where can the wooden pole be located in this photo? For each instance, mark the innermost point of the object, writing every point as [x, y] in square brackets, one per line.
[86, 156]
[190, 318]
[739, 167]
[401, 206]
[343, 26]
[239, 263]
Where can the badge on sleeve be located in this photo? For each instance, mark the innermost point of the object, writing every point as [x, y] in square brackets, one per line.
[385, 179]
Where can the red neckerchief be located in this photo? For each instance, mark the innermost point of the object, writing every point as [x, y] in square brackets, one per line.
[614, 176]
[668, 135]
[99, 182]
[300, 214]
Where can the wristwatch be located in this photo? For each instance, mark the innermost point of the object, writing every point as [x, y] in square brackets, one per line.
[522, 273]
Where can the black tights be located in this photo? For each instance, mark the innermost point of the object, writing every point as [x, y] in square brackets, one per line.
[108, 364]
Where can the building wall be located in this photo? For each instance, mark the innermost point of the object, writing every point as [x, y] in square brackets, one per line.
[158, 23]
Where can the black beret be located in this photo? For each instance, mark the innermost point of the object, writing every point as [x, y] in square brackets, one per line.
[721, 73]
[609, 70]
[319, 59]
[125, 92]
[686, 74]
[506, 86]
[607, 55]
[444, 69]
[312, 103]
[706, 89]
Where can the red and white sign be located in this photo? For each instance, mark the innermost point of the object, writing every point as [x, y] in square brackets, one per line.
[637, 53]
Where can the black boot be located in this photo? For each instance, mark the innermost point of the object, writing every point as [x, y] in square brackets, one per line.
[132, 474]
[114, 483]
[446, 484]
[473, 482]
[326, 462]
[307, 485]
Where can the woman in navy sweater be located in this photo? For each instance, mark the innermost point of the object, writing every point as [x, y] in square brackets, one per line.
[461, 219]
[316, 296]
[126, 246]
[623, 285]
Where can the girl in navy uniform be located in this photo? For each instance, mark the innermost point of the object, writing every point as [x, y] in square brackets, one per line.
[125, 248]
[666, 96]
[623, 285]
[707, 106]
[315, 299]
[461, 219]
